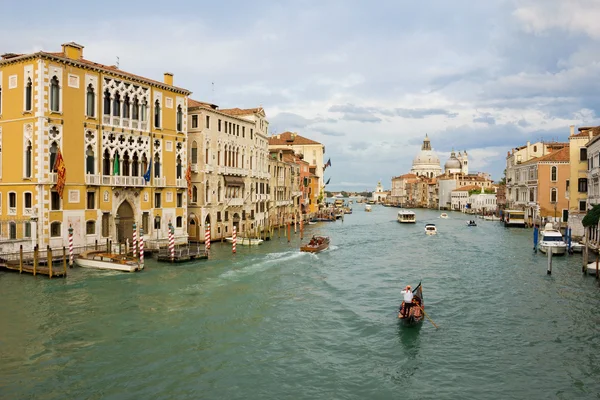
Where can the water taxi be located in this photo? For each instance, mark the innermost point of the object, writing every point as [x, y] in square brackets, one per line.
[552, 240]
[514, 218]
[443, 215]
[430, 229]
[407, 217]
[367, 207]
[316, 244]
[100, 259]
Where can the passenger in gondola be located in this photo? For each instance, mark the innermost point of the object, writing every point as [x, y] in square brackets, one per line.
[313, 242]
[407, 303]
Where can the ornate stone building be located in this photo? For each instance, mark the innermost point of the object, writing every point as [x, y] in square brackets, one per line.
[426, 163]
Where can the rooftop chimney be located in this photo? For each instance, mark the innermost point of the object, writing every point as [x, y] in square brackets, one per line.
[73, 50]
[572, 129]
[169, 78]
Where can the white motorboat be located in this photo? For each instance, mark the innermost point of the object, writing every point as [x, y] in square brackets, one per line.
[407, 217]
[577, 247]
[552, 240]
[244, 241]
[430, 229]
[491, 218]
[100, 259]
[443, 215]
[591, 268]
[368, 207]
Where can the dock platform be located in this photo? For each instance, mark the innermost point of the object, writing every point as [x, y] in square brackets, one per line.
[182, 254]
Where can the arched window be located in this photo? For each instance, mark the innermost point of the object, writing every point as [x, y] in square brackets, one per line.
[53, 153]
[553, 195]
[179, 168]
[194, 194]
[12, 230]
[144, 110]
[156, 114]
[126, 164]
[135, 112]
[179, 119]
[135, 165]
[91, 101]
[144, 164]
[54, 95]
[55, 229]
[117, 105]
[28, 159]
[106, 102]
[219, 192]
[28, 95]
[126, 107]
[207, 194]
[553, 173]
[106, 163]
[90, 161]
[156, 165]
[194, 152]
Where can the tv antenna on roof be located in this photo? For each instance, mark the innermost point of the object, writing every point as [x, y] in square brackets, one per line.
[117, 62]
[213, 91]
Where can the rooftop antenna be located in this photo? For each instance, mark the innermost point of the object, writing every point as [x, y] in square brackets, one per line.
[117, 62]
[213, 91]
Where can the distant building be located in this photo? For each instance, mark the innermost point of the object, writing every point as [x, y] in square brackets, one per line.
[426, 163]
[379, 195]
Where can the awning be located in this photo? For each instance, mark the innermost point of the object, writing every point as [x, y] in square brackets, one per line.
[233, 180]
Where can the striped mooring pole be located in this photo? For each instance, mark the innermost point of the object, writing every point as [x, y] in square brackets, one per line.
[171, 241]
[141, 247]
[70, 246]
[234, 240]
[135, 241]
[207, 237]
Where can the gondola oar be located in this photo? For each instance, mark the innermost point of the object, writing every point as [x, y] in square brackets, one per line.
[430, 320]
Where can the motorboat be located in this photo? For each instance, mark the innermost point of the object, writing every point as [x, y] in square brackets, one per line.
[552, 240]
[100, 259]
[591, 268]
[368, 207]
[430, 229]
[245, 241]
[471, 223]
[443, 215]
[316, 244]
[577, 247]
[407, 217]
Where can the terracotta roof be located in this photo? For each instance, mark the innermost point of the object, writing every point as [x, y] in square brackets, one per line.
[467, 188]
[289, 138]
[561, 155]
[405, 176]
[584, 132]
[84, 62]
[239, 111]
[196, 103]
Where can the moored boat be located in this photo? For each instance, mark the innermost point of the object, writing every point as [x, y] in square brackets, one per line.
[591, 268]
[245, 241]
[316, 244]
[407, 217]
[100, 259]
[416, 311]
[430, 229]
[552, 240]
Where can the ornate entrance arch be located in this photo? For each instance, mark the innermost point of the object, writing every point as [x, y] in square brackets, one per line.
[124, 223]
[236, 222]
[193, 228]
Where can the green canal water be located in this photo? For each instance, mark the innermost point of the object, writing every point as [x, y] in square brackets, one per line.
[274, 323]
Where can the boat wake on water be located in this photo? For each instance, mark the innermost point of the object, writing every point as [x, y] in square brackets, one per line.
[269, 261]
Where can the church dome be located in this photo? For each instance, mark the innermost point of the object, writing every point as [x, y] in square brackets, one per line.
[426, 157]
[453, 162]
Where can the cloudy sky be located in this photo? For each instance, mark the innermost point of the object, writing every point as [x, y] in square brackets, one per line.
[368, 79]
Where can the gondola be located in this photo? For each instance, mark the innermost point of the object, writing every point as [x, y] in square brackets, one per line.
[316, 244]
[416, 315]
[471, 223]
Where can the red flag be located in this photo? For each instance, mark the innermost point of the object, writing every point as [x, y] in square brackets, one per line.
[61, 173]
[188, 178]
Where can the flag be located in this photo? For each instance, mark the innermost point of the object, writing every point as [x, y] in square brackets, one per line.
[188, 178]
[116, 165]
[327, 164]
[327, 183]
[147, 174]
[61, 173]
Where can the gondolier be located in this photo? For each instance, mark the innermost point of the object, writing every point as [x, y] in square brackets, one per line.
[408, 298]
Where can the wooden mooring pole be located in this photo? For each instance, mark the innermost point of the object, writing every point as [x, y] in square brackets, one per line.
[21, 259]
[549, 272]
[49, 255]
[35, 259]
[65, 260]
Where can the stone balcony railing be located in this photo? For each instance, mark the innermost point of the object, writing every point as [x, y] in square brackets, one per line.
[124, 122]
[181, 183]
[160, 182]
[131, 181]
[209, 168]
[234, 202]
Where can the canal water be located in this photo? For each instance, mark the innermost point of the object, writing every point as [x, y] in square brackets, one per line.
[274, 323]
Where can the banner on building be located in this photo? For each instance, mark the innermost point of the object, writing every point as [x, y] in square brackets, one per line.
[188, 178]
[61, 173]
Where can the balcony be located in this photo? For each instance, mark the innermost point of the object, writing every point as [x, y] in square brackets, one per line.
[181, 183]
[281, 203]
[296, 194]
[28, 211]
[160, 182]
[124, 122]
[194, 168]
[235, 202]
[12, 210]
[92, 179]
[53, 177]
[123, 181]
[208, 168]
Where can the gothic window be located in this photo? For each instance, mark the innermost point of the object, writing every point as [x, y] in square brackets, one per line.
[179, 167]
[28, 95]
[91, 101]
[106, 163]
[53, 153]
[144, 111]
[126, 164]
[135, 112]
[194, 194]
[135, 166]
[157, 114]
[89, 161]
[126, 107]
[28, 160]
[179, 119]
[144, 164]
[157, 165]
[117, 105]
[54, 94]
[106, 102]
[194, 153]
[553, 173]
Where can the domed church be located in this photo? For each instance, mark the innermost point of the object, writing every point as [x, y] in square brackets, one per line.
[426, 163]
[457, 164]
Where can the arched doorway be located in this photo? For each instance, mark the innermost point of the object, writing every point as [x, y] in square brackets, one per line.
[193, 228]
[124, 222]
[236, 222]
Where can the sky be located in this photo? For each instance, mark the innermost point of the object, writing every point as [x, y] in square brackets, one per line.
[368, 79]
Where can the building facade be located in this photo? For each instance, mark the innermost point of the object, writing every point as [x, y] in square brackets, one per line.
[120, 138]
[426, 163]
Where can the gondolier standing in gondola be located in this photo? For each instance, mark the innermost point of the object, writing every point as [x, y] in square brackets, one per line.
[408, 298]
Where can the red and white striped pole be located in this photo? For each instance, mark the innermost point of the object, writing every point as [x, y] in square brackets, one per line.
[70, 246]
[301, 226]
[135, 241]
[234, 241]
[295, 223]
[141, 247]
[207, 237]
[171, 241]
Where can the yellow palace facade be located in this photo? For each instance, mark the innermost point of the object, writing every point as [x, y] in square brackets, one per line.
[123, 140]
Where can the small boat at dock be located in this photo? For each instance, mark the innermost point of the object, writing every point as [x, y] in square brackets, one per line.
[316, 244]
[245, 241]
[100, 259]
[552, 240]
